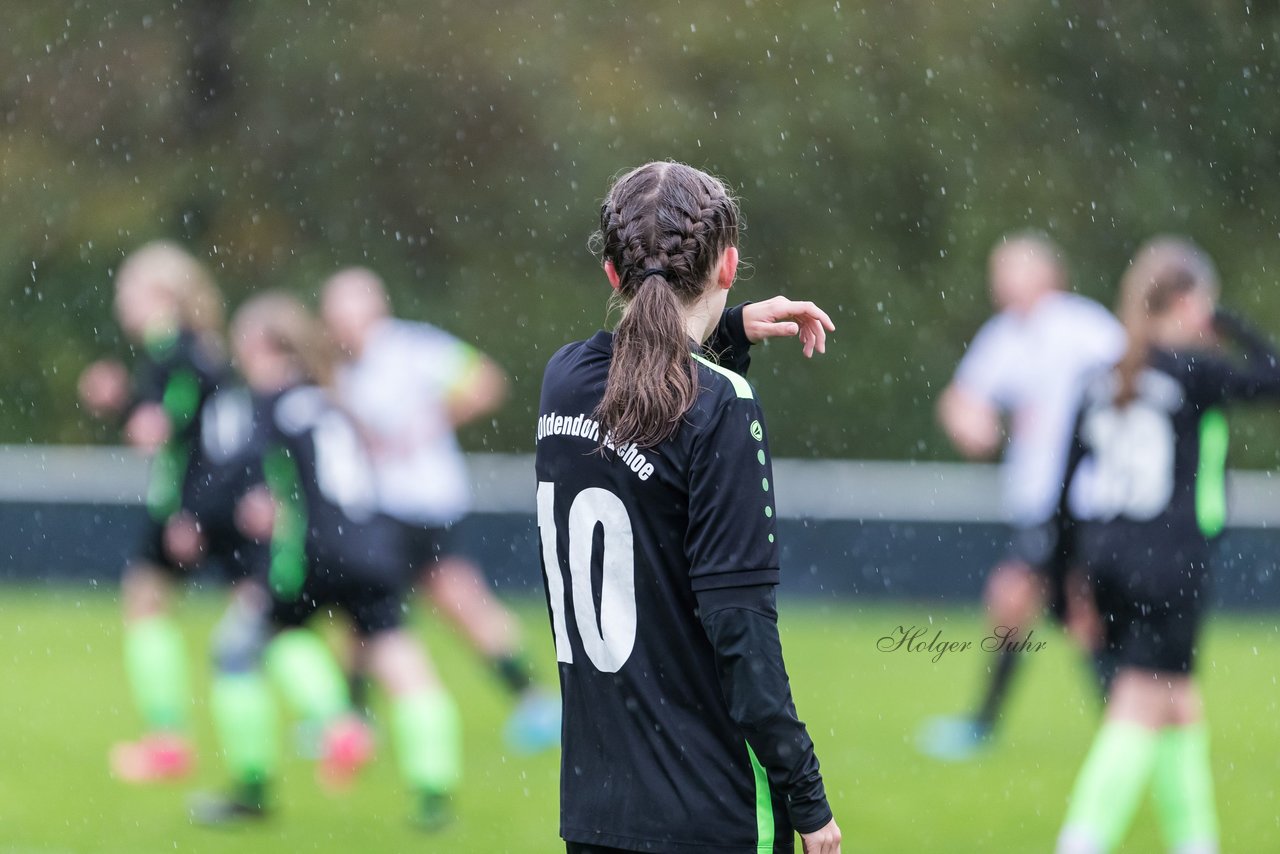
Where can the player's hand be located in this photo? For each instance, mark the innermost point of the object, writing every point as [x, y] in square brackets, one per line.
[825, 840]
[256, 514]
[183, 540]
[147, 428]
[104, 387]
[784, 318]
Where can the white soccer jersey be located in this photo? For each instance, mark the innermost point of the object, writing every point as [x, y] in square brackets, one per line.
[398, 389]
[1031, 367]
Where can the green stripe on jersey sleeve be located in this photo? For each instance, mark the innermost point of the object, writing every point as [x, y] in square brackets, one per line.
[764, 804]
[740, 384]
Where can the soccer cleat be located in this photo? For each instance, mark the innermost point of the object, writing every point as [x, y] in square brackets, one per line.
[433, 812]
[953, 739]
[224, 810]
[152, 759]
[535, 724]
[347, 746]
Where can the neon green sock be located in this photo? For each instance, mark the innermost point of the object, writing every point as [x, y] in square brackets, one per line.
[155, 658]
[429, 740]
[244, 716]
[1184, 787]
[307, 674]
[1111, 783]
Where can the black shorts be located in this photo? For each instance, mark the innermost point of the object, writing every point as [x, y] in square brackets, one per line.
[149, 549]
[580, 848]
[374, 607]
[237, 556]
[1152, 588]
[425, 546]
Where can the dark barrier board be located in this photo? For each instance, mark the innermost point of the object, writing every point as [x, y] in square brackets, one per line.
[838, 558]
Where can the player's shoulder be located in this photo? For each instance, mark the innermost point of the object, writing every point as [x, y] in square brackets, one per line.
[1081, 309]
[720, 392]
[720, 382]
[398, 332]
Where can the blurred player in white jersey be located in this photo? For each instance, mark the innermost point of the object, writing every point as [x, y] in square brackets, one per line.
[1022, 374]
[412, 386]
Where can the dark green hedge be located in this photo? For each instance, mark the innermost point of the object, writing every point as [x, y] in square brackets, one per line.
[462, 147]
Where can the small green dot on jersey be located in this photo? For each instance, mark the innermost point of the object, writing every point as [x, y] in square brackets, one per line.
[768, 511]
[760, 457]
[764, 483]
[771, 538]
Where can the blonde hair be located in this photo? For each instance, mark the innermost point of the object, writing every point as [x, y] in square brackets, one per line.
[293, 329]
[1163, 269]
[176, 272]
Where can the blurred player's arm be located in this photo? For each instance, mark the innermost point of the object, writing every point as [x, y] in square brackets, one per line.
[742, 625]
[480, 390]
[1256, 374]
[970, 422]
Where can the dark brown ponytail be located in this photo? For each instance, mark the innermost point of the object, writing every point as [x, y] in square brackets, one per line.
[663, 226]
[1164, 269]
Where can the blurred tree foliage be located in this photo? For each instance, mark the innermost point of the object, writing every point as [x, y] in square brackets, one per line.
[461, 148]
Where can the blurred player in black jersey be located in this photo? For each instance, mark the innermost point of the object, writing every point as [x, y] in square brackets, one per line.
[656, 516]
[1144, 488]
[170, 310]
[310, 493]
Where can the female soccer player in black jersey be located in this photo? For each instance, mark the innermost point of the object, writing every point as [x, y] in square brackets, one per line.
[170, 310]
[311, 494]
[1144, 487]
[659, 548]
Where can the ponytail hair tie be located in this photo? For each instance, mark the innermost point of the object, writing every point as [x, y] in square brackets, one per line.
[655, 271]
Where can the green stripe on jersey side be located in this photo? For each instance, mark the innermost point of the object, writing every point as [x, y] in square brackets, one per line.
[764, 804]
[1211, 473]
[740, 384]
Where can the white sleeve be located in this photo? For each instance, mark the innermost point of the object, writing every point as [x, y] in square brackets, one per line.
[984, 370]
[443, 360]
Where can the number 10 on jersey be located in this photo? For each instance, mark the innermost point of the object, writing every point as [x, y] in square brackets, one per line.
[607, 637]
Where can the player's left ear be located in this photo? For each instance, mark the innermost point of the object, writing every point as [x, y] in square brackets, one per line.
[611, 273]
[728, 267]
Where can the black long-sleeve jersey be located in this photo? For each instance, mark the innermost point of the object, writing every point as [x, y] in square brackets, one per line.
[1160, 459]
[328, 535]
[178, 373]
[680, 734]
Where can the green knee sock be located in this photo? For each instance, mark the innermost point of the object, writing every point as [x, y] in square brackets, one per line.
[429, 741]
[244, 716]
[155, 657]
[307, 674]
[1111, 783]
[1184, 787]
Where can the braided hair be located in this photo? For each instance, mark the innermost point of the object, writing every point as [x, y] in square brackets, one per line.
[664, 227]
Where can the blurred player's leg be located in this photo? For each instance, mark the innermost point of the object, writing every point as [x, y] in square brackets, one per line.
[243, 711]
[459, 590]
[1184, 779]
[1014, 597]
[426, 723]
[1119, 764]
[314, 686]
[156, 666]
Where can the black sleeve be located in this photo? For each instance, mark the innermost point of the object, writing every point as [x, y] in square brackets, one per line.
[742, 625]
[729, 344]
[731, 541]
[1255, 374]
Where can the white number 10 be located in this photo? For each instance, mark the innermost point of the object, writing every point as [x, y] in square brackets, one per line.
[609, 636]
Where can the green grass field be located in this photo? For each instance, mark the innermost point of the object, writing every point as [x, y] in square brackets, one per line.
[64, 702]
